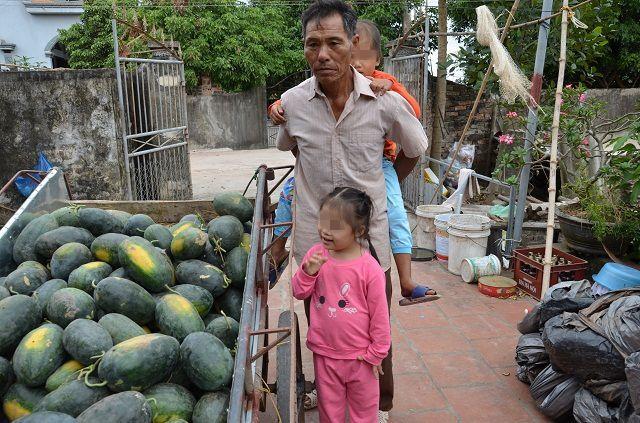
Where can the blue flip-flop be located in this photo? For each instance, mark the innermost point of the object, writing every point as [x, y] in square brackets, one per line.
[419, 295]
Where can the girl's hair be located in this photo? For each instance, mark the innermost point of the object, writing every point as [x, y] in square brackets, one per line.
[356, 208]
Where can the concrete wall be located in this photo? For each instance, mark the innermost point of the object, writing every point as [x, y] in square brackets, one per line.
[228, 120]
[70, 115]
[619, 101]
[33, 26]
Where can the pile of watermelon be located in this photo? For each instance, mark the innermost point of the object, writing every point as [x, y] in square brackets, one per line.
[111, 317]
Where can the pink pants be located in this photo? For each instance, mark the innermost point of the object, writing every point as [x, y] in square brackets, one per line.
[342, 383]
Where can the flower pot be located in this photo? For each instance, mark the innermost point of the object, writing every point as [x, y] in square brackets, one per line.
[578, 234]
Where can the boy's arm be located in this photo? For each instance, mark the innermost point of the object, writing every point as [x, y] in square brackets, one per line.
[276, 113]
[400, 89]
[379, 326]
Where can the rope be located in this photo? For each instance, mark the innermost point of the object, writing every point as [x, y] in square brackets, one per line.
[571, 15]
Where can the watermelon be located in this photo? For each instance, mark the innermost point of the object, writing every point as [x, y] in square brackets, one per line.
[230, 303]
[20, 401]
[25, 280]
[192, 218]
[225, 329]
[139, 362]
[209, 317]
[63, 374]
[45, 291]
[206, 361]
[117, 295]
[69, 304]
[24, 247]
[69, 257]
[188, 244]
[73, 397]
[137, 224]
[200, 273]
[248, 226]
[179, 377]
[122, 216]
[159, 235]
[125, 407]
[46, 417]
[236, 267]
[213, 257]
[99, 222]
[181, 226]
[211, 408]
[170, 402]
[38, 355]
[119, 273]
[105, 248]
[19, 314]
[49, 242]
[225, 231]
[7, 265]
[145, 264]
[7, 377]
[86, 340]
[34, 265]
[199, 297]
[233, 203]
[67, 216]
[177, 317]
[2, 279]
[87, 276]
[120, 327]
[4, 293]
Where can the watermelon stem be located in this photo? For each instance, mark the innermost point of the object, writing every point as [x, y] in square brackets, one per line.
[168, 288]
[227, 281]
[226, 318]
[12, 291]
[155, 401]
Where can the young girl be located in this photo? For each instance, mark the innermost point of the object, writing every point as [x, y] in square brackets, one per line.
[349, 332]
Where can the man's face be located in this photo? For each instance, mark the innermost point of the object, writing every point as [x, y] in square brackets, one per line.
[327, 48]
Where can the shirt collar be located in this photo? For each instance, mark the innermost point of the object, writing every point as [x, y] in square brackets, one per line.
[361, 86]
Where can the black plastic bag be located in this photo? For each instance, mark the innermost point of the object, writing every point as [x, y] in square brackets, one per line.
[611, 392]
[588, 408]
[565, 297]
[627, 413]
[632, 371]
[575, 349]
[621, 323]
[554, 393]
[530, 322]
[531, 357]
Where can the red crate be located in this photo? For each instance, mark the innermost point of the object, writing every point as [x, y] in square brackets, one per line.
[528, 273]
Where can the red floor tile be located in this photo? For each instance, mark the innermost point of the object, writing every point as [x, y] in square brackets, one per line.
[415, 392]
[457, 369]
[437, 416]
[496, 352]
[487, 403]
[405, 360]
[480, 327]
[454, 307]
[437, 340]
[420, 316]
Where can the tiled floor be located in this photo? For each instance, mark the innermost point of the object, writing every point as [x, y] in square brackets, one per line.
[453, 358]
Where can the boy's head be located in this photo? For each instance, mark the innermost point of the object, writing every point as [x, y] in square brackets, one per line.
[366, 54]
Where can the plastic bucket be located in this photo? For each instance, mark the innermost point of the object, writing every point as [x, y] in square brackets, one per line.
[441, 222]
[426, 235]
[468, 238]
[471, 269]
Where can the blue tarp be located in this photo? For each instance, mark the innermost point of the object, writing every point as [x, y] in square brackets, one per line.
[24, 184]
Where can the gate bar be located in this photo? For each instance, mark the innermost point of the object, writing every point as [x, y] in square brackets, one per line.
[155, 150]
[136, 60]
[157, 132]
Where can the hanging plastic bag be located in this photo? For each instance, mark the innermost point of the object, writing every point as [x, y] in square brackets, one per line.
[577, 350]
[463, 160]
[530, 323]
[621, 323]
[565, 296]
[587, 408]
[531, 357]
[554, 393]
[26, 185]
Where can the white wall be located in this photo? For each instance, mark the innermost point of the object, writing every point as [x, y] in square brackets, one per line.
[31, 33]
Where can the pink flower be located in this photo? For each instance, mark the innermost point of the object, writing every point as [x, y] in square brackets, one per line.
[585, 141]
[512, 114]
[582, 98]
[569, 86]
[505, 139]
[561, 101]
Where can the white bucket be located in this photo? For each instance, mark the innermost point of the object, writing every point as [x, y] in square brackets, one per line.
[426, 213]
[441, 223]
[471, 269]
[468, 238]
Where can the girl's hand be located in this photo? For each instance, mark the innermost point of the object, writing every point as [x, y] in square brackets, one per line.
[379, 86]
[277, 115]
[312, 266]
[377, 370]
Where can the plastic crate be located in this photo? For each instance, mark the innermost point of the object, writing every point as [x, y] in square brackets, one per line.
[528, 273]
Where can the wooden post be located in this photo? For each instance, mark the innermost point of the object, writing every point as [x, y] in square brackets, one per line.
[441, 86]
[553, 161]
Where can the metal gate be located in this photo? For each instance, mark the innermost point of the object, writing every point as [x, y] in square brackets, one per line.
[153, 108]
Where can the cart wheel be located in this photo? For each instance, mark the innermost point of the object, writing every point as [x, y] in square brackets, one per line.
[283, 369]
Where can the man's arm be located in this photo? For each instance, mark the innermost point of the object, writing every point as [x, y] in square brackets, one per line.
[404, 165]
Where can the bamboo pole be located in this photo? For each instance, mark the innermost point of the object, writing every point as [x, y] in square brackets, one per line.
[553, 161]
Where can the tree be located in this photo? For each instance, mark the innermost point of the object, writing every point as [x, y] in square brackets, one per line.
[607, 54]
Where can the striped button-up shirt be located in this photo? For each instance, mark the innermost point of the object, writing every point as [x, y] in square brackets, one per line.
[345, 152]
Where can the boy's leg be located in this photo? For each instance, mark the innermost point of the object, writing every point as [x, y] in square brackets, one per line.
[283, 214]
[332, 398]
[386, 380]
[362, 391]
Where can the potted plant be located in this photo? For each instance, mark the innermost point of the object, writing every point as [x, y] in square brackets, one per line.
[599, 167]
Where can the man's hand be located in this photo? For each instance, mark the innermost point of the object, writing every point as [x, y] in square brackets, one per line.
[312, 266]
[379, 86]
[277, 114]
[377, 370]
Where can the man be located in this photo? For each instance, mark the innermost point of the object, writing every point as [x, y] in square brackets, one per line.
[337, 127]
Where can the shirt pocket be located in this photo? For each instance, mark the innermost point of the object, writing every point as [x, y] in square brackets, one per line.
[364, 151]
